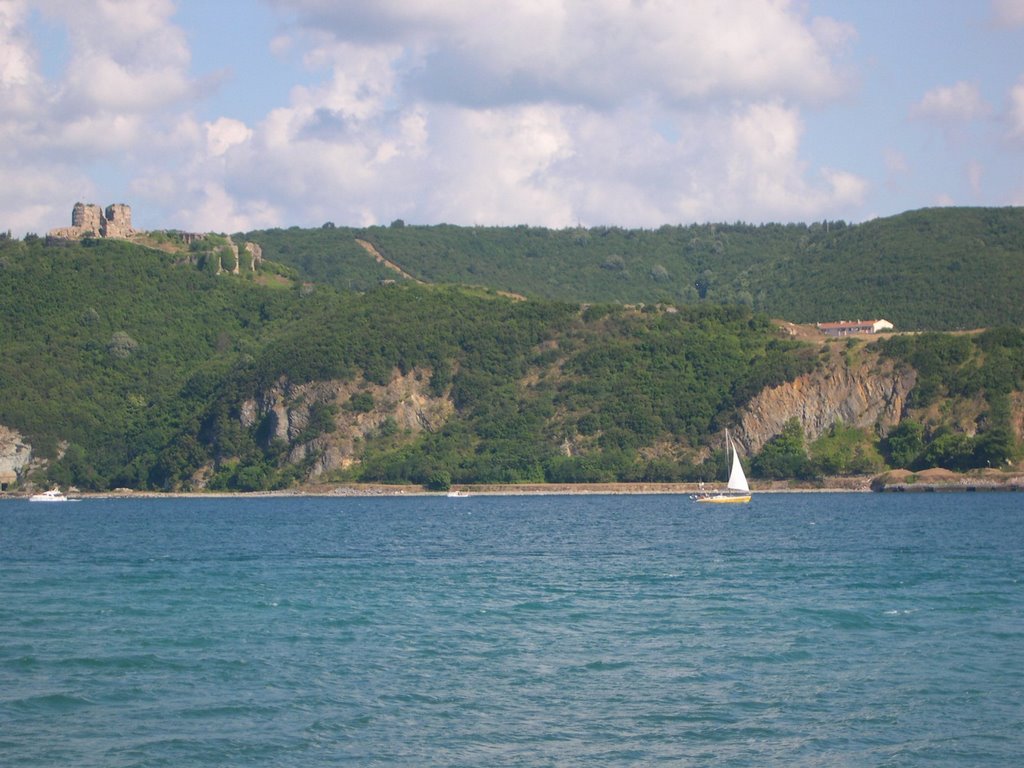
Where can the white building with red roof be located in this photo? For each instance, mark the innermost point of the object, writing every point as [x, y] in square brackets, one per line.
[849, 327]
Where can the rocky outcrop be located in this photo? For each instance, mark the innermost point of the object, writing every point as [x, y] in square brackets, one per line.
[255, 255]
[15, 457]
[867, 393]
[286, 411]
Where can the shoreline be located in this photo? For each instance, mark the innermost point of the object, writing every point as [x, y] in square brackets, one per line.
[896, 481]
[364, 490]
[354, 491]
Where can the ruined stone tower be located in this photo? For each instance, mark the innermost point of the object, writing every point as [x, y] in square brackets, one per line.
[118, 221]
[89, 220]
[87, 217]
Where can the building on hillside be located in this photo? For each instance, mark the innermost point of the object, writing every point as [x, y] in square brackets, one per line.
[89, 220]
[849, 327]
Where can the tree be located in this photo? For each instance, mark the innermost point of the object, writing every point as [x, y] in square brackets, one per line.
[951, 450]
[845, 450]
[995, 445]
[121, 345]
[440, 480]
[904, 444]
[784, 456]
[659, 274]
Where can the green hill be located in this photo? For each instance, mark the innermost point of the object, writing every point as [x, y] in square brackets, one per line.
[125, 366]
[147, 367]
[935, 269]
[104, 344]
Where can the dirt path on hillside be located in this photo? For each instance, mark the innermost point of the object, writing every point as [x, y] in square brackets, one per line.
[379, 258]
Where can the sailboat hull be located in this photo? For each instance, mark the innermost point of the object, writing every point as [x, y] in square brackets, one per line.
[722, 499]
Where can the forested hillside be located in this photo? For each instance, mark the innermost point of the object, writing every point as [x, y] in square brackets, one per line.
[935, 269]
[539, 391]
[104, 346]
[129, 366]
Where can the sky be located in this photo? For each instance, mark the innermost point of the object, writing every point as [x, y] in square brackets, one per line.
[236, 115]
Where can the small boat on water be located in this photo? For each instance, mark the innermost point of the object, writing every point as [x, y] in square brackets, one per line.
[737, 491]
[455, 494]
[53, 494]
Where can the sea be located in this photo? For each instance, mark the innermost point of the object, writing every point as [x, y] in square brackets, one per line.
[802, 629]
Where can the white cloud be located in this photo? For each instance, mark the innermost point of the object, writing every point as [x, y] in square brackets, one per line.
[546, 112]
[19, 79]
[16, 65]
[499, 165]
[224, 133]
[26, 196]
[1015, 114]
[124, 56]
[593, 51]
[124, 76]
[1009, 13]
[96, 135]
[961, 101]
[766, 172]
[210, 208]
[98, 81]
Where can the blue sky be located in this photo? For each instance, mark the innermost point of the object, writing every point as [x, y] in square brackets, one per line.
[241, 114]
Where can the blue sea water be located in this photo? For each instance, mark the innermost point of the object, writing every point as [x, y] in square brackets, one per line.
[799, 630]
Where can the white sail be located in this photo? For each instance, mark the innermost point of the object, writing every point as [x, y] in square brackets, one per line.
[737, 480]
[737, 490]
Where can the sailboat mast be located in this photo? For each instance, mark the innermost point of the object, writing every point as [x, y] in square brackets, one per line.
[728, 456]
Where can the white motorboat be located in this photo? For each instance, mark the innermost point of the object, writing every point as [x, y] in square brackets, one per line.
[53, 494]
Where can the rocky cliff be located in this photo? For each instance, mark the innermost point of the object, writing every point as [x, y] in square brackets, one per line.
[858, 389]
[861, 391]
[15, 457]
[288, 412]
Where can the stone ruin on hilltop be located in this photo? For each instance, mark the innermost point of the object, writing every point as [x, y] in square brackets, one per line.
[89, 220]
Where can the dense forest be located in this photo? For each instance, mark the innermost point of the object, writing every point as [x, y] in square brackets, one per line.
[131, 366]
[935, 269]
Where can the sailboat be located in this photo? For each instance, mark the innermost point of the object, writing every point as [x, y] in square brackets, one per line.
[737, 490]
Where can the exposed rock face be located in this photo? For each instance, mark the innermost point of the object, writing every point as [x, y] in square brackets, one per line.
[285, 411]
[255, 255]
[231, 259]
[869, 393]
[15, 457]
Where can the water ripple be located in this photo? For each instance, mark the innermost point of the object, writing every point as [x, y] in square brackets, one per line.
[806, 630]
